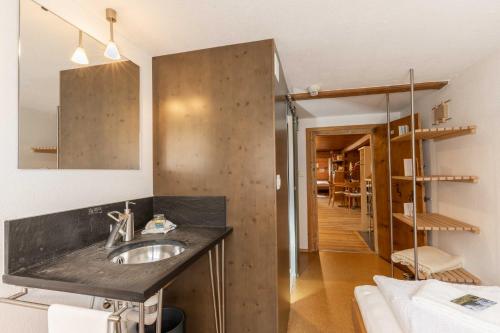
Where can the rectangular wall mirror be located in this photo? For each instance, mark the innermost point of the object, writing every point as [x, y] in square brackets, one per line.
[73, 115]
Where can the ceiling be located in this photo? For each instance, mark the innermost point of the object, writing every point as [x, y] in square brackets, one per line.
[334, 43]
[335, 142]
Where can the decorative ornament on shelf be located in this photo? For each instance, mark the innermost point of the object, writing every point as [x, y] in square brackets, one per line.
[441, 113]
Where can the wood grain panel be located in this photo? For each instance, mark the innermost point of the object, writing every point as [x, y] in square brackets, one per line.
[214, 134]
[365, 158]
[381, 189]
[403, 191]
[99, 117]
[403, 234]
[283, 235]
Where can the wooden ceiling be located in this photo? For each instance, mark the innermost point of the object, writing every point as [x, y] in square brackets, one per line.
[335, 142]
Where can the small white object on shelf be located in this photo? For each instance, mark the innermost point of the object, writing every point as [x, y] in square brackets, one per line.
[408, 208]
[403, 129]
[408, 167]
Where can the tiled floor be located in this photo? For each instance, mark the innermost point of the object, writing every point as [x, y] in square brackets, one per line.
[322, 298]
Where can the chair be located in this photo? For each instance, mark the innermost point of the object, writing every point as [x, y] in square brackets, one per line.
[351, 193]
[338, 182]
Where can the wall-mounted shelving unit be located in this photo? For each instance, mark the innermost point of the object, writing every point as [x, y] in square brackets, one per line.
[440, 133]
[436, 222]
[441, 178]
[422, 221]
[458, 275]
[44, 150]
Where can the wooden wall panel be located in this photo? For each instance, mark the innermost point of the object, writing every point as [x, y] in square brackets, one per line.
[403, 234]
[214, 134]
[402, 191]
[283, 235]
[99, 117]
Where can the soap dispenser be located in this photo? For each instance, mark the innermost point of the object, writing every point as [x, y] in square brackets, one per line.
[129, 229]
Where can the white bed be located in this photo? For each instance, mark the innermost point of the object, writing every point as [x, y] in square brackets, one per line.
[397, 306]
[377, 316]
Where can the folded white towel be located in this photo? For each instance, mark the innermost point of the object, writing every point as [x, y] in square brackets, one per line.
[430, 260]
[72, 319]
[438, 296]
[152, 229]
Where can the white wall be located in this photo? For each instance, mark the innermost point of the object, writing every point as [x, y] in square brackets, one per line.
[37, 129]
[475, 96]
[369, 118]
[30, 192]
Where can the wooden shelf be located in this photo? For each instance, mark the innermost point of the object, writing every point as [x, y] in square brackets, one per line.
[437, 133]
[464, 179]
[45, 150]
[337, 161]
[436, 222]
[458, 275]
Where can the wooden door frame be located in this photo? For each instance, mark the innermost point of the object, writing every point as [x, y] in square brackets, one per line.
[311, 133]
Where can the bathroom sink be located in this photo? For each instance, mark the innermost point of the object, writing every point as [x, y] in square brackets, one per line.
[146, 252]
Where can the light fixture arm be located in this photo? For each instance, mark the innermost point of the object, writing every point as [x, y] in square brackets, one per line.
[80, 38]
[111, 51]
[111, 18]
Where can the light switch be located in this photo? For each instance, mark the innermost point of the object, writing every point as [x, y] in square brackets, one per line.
[278, 182]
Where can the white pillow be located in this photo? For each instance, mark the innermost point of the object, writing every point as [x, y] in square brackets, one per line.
[416, 318]
[397, 294]
[376, 313]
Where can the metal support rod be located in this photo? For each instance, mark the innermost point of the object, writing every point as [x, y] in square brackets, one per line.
[13, 300]
[414, 172]
[389, 179]
[159, 313]
[213, 290]
[223, 323]
[118, 325]
[142, 327]
[218, 286]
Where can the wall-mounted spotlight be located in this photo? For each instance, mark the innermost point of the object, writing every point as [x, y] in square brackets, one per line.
[79, 56]
[111, 51]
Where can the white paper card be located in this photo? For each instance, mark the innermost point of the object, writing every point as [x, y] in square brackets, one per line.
[408, 166]
[408, 208]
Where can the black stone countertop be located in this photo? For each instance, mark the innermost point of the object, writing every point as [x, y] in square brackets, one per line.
[88, 271]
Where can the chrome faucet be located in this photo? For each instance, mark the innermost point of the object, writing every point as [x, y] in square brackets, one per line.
[124, 226]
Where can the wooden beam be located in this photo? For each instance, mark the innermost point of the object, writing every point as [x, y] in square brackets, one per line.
[370, 90]
[357, 144]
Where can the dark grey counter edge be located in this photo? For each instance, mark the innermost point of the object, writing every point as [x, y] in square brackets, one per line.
[116, 294]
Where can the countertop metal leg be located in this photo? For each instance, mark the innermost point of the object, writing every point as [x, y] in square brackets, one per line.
[214, 298]
[217, 267]
[223, 323]
[142, 327]
[159, 313]
[217, 280]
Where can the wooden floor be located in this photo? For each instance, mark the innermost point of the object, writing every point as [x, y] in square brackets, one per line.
[321, 301]
[338, 229]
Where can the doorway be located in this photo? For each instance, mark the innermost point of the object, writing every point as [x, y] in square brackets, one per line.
[340, 199]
